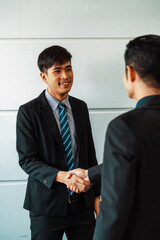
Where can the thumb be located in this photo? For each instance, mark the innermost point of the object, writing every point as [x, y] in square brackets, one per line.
[87, 179]
[69, 175]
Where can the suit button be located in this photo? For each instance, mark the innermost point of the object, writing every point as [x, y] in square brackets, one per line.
[45, 182]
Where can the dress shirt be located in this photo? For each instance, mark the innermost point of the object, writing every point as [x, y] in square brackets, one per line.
[53, 102]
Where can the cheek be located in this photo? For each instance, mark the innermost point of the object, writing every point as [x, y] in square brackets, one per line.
[71, 75]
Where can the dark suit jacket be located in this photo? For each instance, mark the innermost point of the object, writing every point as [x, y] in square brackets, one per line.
[130, 207]
[42, 155]
[94, 174]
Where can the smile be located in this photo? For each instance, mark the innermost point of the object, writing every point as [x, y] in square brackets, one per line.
[64, 83]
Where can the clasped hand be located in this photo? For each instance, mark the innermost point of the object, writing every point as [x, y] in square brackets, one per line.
[78, 180]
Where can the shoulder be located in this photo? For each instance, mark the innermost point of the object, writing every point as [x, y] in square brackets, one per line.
[132, 119]
[28, 107]
[78, 103]
[33, 104]
[122, 127]
[126, 119]
[31, 108]
[77, 100]
[123, 130]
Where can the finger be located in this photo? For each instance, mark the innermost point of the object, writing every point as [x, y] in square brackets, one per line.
[80, 180]
[87, 183]
[87, 179]
[77, 190]
[71, 188]
[78, 185]
[69, 175]
[79, 172]
[82, 186]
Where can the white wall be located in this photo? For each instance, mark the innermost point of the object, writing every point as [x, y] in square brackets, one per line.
[95, 32]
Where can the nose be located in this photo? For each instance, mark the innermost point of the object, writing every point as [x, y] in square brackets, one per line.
[64, 75]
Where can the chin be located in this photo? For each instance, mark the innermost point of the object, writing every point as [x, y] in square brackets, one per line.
[65, 92]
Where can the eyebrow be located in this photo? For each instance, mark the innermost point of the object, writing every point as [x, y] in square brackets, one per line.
[57, 68]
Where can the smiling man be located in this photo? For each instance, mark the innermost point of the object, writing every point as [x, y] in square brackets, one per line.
[54, 136]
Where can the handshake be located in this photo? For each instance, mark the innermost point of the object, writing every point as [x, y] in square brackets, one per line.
[76, 180]
[79, 180]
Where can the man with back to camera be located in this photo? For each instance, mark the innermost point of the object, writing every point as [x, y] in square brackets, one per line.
[54, 136]
[130, 206]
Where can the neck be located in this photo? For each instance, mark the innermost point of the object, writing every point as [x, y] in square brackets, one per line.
[147, 93]
[59, 97]
[141, 90]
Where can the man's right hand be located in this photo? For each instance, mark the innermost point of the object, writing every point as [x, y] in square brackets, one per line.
[71, 181]
[83, 174]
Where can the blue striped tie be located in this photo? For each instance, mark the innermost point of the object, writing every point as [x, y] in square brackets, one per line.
[66, 138]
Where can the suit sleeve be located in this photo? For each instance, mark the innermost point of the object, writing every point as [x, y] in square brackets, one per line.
[92, 154]
[94, 174]
[118, 182]
[28, 150]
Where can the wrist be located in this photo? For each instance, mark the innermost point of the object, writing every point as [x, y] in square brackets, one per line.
[61, 177]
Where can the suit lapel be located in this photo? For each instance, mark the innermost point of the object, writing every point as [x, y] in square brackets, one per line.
[48, 116]
[76, 116]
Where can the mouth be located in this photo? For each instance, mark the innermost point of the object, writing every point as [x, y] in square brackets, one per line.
[65, 83]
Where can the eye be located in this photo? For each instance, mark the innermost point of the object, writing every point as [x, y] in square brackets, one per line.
[57, 71]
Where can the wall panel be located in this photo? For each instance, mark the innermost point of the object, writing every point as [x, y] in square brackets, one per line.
[98, 69]
[99, 121]
[9, 167]
[10, 18]
[14, 220]
[15, 223]
[85, 18]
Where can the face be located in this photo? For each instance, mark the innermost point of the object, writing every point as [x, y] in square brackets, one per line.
[59, 79]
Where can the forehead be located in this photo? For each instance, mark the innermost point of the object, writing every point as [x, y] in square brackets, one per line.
[64, 65]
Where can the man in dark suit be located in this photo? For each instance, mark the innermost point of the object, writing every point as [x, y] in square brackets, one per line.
[54, 136]
[130, 206]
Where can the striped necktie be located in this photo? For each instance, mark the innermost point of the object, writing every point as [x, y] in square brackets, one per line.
[66, 138]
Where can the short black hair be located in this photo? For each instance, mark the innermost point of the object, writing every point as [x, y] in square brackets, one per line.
[143, 54]
[52, 56]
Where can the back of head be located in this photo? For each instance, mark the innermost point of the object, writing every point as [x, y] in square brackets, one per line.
[54, 55]
[143, 54]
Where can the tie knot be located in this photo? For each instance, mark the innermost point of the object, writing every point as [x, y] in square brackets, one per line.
[61, 105]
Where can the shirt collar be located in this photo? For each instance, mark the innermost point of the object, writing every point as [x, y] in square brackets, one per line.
[144, 99]
[53, 102]
[66, 102]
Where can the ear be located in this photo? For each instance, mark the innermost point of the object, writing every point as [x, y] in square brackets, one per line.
[43, 76]
[131, 74]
